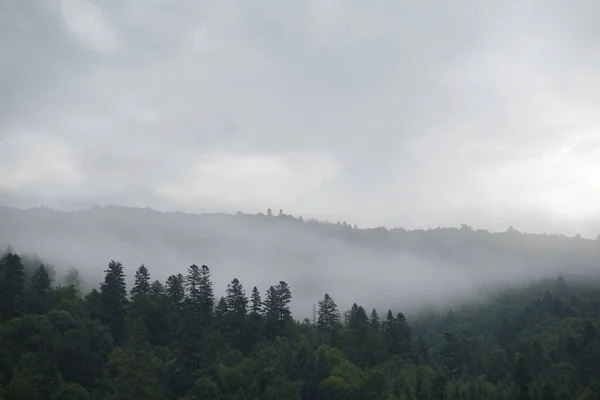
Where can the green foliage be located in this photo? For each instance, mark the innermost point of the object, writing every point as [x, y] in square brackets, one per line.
[171, 342]
[12, 285]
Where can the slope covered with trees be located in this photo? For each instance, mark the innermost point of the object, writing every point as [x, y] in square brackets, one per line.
[176, 340]
[434, 265]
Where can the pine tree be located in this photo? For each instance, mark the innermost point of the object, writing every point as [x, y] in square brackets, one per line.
[404, 335]
[391, 334]
[237, 304]
[113, 299]
[257, 306]
[141, 286]
[207, 297]
[12, 285]
[329, 318]
[222, 314]
[39, 291]
[175, 290]
[374, 321]
[357, 317]
[277, 311]
[157, 290]
[192, 284]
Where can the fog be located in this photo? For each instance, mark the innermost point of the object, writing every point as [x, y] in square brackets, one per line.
[403, 270]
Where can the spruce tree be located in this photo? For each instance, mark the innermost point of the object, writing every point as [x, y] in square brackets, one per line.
[256, 308]
[374, 321]
[237, 305]
[192, 285]
[39, 291]
[12, 285]
[329, 317]
[141, 285]
[113, 299]
[157, 290]
[175, 290]
[277, 311]
[206, 295]
[391, 334]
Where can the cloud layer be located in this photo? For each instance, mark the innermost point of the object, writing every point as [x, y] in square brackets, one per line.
[418, 113]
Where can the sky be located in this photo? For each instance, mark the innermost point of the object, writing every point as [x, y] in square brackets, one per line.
[416, 113]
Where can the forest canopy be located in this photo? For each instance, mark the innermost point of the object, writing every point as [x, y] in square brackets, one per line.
[176, 340]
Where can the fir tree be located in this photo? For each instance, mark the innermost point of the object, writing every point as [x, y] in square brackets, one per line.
[277, 311]
[237, 305]
[192, 285]
[329, 317]
[141, 286]
[175, 290]
[39, 291]
[206, 295]
[113, 299]
[257, 306]
[374, 321]
[12, 285]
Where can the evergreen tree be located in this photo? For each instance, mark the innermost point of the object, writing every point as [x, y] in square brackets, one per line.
[39, 292]
[329, 317]
[206, 295]
[157, 290]
[257, 305]
[391, 334]
[404, 335]
[141, 286]
[12, 285]
[192, 284]
[175, 290]
[277, 311]
[237, 304]
[374, 321]
[113, 299]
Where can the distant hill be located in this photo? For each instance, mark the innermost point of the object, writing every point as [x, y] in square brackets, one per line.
[376, 267]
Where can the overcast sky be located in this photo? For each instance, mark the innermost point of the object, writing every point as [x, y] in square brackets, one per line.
[403, 113]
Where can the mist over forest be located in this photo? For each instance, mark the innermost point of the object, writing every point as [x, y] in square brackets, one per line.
[383, 268]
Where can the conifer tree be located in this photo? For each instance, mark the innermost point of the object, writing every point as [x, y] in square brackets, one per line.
[277, 311]
[175, 290]
[329, 317]
[157, 290]
[141, 286]
[192, 285]
[39, 291]
[374, 321]
[206, 295]
[256, 308]
[113, 299]
[237, 305]
[390, 334]
[12, 285]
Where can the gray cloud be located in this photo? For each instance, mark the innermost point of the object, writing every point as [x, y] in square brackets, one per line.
[413, 113]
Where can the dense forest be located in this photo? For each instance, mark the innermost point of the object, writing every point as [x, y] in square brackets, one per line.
[176, 340]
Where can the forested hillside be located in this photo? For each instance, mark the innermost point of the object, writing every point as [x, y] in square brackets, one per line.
[175, 339]
[434, 266]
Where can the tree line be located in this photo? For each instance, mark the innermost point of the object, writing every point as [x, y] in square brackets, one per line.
[175, 340]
